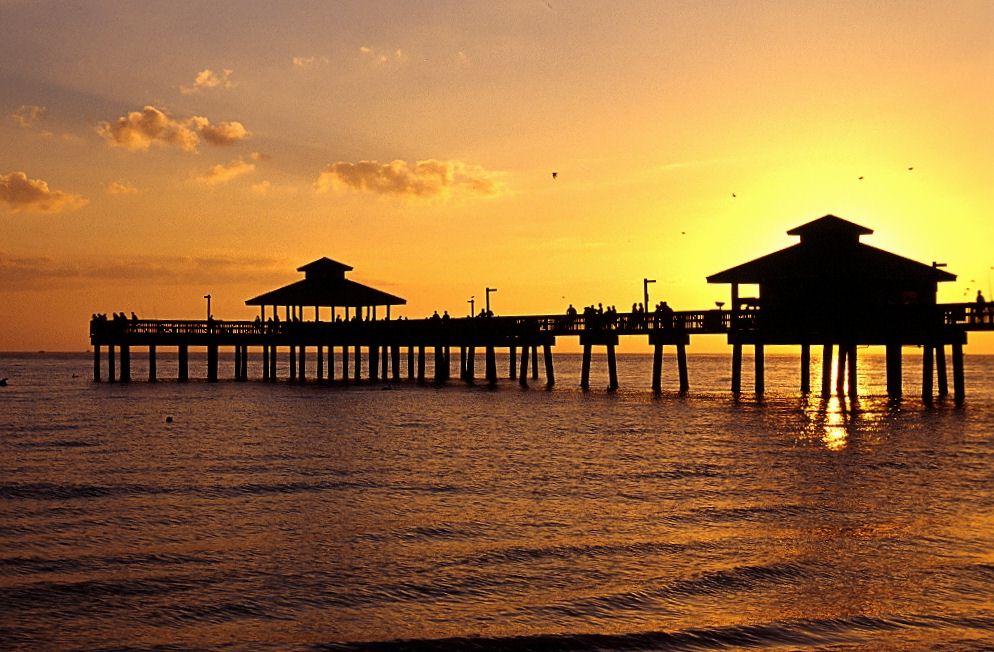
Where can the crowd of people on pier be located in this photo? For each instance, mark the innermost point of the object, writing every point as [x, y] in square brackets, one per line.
[599, 317]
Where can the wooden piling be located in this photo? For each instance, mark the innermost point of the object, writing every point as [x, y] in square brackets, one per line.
[183, 363]
[585, 368]
[302, 364]
[357, 363]
[928, 367]
[373, 351]
[421, 365]
[534, 348]
[293, 363]
[736, 368]
[345, 363]
[384, 362]
[125, 363]
[212, 363]
[851, 363]
[96, 363]
[265, 363]
[840, 371]
[491, 364]
[471, 364]
[395, 362]
[759, 361]
[152, 375]
[439, 363]
[940, 370]
[513, 362]
[523, 375]
[681, 363]
[236, 371]
[893, 364]
[657, 369]
[320, 362]
[826, 371]
[612, 367]
[550, 374]
[805, 368]
[959, 386]
[272, 363]
[111, 372]
[410, 362]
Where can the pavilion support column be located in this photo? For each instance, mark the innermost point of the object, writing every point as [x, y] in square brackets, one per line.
[657, 369]
[373, 351]
[550, 372]
[523, 374]
[491, 364]
[395, 362]
[265, 363]
[152, 371]
[760, 367]
[245, 362]
[96, 363]
[439, 363]
[272, 363]
[585, 368]
[513, 362]
[462, 363]
[212, 362]
[534, 362]
[320, 361]
[840, 371]
[237, 367]
[358, 363]
[805, 368]
[928, 368]
[681, 363]
[852, 365]
[331, 362]
[183, 363]
[959, 386]
[421, 364]
[111, 371]
[826, 371]
[302, 363]
[446, 364]
[410, 362]
[385, 362]
[940, 370]
[125, 363]
[612, 367]
[293, 363]
[736, 368]
[470, 364]
[345, 363]
[893, 364]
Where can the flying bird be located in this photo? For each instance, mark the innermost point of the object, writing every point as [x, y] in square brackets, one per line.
[555, 174]
[734, 195]
[910, 169]
[861, 178]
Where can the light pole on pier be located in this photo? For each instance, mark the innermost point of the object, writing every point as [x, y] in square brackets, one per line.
[472, 305]
[208, 297]
[645, 291]
[489, 290]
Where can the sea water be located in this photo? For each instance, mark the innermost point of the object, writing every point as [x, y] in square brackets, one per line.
[251, 516]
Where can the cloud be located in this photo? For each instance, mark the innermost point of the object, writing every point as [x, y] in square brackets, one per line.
[220, 173]
[28, 115]
[383, 57]
[121, 187]
[207, 79]
[18, 192]
[267, 188]
[139, 130]
[18, 273]
[429, 178]
[310, 62]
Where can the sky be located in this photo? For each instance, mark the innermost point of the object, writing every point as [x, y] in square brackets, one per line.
[154, 152]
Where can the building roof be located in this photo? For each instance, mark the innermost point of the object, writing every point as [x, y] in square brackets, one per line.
[830, 250]
[324, 284]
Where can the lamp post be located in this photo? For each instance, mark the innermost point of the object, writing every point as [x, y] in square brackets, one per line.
[645, 291]
[472, 305]
[489, 290]
[208, 297]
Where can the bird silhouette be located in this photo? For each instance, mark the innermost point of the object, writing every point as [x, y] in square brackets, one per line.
[555, 174]
[910, 169]
[861, 178]
[734, 195]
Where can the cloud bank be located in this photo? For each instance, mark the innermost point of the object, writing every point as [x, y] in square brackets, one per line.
[28, 115]
[426, 179]
[139, 130]
[18, 192]
[207, 79]
[221, 173]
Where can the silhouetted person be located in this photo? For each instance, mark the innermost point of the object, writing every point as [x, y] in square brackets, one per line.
[445, 316]
[980, 298]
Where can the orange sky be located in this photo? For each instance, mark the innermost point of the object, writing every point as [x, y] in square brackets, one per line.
[156, 152]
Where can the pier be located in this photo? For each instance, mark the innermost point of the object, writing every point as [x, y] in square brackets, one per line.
[829, 291]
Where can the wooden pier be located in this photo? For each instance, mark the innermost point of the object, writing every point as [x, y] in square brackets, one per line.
[829, 290]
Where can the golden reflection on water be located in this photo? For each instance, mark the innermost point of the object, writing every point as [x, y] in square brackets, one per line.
[832, 421]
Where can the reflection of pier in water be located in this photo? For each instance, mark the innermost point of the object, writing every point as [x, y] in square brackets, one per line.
[829, 290]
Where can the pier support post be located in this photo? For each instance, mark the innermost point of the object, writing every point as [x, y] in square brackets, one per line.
[212, 363]
[236, 371]
[928, 367]
[657, 369]
[805, 368]
[183, 363]
[293, 363]
[959, 387]
[736, 368]
[513, 362]
[534, 361]
[320, 362]
[840, 371]
[272, 363]
[395, 362]
[345, 363]
[826, 371]
[550, 373]
[612, 368]
[681, 363]
[421, 365]
[893, 364]
[373, 350]
[470, 364]
[462, 363]
[851, 363]
[111, 363]
[302, 364]
[125, 363]
[940, 370]
[151, 364]
[585, 368]
[265, 363]
[385, 362]
[410, 362]
[357, 363]
[96, 363]
[759, 361]
[439, 362]
[523, 375]
[491, 365]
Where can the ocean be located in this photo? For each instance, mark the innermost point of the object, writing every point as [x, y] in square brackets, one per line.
[250, 516]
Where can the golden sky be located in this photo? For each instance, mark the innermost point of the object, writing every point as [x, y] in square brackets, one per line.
[151, 153]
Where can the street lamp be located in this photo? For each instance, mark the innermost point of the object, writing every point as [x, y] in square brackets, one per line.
[489, 290]
[472, 305]
[208, 297]
[645, 291]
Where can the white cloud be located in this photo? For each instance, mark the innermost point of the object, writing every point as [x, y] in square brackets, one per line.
[207, 79]
[139, 130]
[28, 115]
[384, 57]
[18, 192]
[221, 173]
[310, 62]
[121, 187]
[429, 178]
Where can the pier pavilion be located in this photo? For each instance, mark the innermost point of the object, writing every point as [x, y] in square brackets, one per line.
[832, 290]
